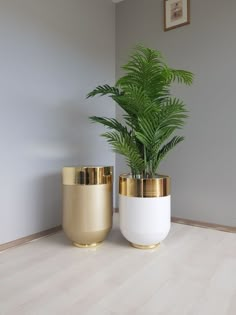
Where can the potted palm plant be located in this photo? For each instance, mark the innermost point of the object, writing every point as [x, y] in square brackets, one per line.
[150, 117]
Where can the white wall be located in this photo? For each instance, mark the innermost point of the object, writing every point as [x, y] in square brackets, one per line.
[203, 167]
[52, 53]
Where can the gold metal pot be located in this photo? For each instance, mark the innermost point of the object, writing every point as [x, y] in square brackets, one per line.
[87, 204]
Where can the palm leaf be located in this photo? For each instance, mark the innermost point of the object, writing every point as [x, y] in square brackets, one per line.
[104, 90]
[166, 148]
[181, 76]
[110, 123]
[124, 145]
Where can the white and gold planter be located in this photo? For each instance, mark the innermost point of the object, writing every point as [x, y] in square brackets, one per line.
[87, 204]
[145, 207]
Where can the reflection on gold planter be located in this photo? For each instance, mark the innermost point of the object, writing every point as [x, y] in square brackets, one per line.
[87, 204]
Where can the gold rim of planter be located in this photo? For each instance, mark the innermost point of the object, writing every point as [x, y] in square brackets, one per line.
[158, 186]
[87, 175]
[145, 246]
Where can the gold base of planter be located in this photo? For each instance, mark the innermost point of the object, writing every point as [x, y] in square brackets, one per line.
[87, 245]
[145, 246]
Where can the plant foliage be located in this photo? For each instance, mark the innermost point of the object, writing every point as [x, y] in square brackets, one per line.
[151, 113]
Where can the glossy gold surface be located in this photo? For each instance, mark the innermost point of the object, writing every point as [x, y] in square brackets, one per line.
[144, 187]
[86, 245]
[87, 213]
[145, 246]
[87, 175]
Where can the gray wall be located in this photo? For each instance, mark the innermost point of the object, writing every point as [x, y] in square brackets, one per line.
[203, 167]
[52, 53]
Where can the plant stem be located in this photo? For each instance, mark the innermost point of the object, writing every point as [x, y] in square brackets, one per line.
[145, 160]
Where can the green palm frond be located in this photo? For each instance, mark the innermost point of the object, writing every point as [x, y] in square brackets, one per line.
[151, 115]
[181, 76]
[173, 114]
[134, 99]
[156, 126]
[146, 69]
[115, 94]
[124, 144]
[166, 148]
[110, 123]
[104, 90]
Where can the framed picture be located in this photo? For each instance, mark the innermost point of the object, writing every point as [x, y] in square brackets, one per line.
[176, 13]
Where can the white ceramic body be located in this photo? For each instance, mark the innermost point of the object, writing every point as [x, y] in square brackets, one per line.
[145, 221]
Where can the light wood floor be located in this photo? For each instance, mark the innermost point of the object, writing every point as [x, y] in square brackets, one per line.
[193, 272]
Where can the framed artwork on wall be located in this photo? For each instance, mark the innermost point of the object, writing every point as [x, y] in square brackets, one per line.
[176, 13]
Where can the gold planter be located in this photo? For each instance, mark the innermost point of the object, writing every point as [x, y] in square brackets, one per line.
[87, 204]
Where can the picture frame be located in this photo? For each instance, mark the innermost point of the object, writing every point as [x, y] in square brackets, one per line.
[176, 13]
